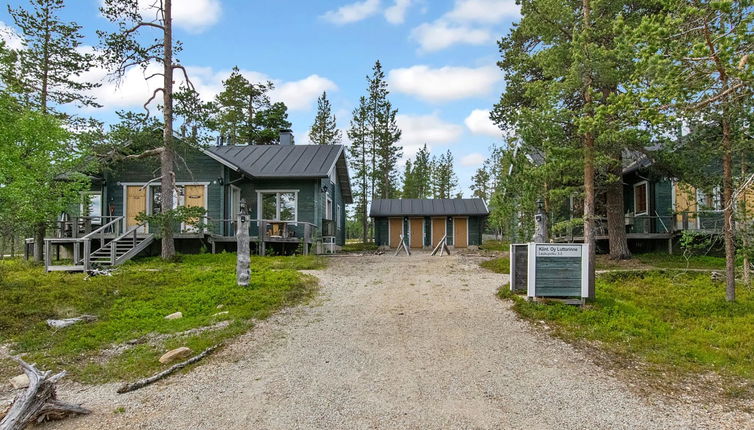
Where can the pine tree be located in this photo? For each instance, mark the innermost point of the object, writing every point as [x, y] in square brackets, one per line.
[409, 182]
[124, 49]
[361, 163]
[325, 130]
[245, 114]
[388, 152]
[51, 60]
[481, 183]
[423, 173]
[444, 179]
[48, 67]
[384, 135]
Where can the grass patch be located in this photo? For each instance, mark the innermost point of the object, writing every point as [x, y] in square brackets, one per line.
[359, 247]
[661, 261]
[495, 245]
[132, 304]
[497, 265]
[678, 323]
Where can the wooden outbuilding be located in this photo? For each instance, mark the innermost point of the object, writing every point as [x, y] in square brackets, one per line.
[425, 222]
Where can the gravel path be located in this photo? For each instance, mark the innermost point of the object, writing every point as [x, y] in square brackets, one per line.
[393, 342]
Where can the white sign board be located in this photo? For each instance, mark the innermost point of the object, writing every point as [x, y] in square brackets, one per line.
[558, 250]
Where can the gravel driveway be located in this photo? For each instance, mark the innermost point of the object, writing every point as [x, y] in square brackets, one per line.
[393, 342]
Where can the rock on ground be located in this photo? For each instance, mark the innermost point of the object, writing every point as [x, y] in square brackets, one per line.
[395, 342]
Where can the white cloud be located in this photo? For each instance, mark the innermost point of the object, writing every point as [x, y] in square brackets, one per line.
[483, 11]
[445, 83]
[194, 16]
[299, 95]
[479, 122]
[353, 12]
[440, 35]
[470, 22]
[396, 14]
[11, 38]
[472, 160]
[133, 90]
[430, 129]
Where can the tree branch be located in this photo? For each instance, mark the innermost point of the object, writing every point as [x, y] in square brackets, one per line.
[185, 75]
[143, 24]
[145, 154]
[154, 94]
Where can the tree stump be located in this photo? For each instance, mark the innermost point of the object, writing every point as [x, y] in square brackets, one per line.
[38, 403]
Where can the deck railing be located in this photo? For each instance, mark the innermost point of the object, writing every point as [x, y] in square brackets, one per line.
[701, 221]
[270, 229]
[80, 226]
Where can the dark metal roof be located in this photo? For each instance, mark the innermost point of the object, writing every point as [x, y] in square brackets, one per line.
[427, 207]
[277, 161]
[286, 161]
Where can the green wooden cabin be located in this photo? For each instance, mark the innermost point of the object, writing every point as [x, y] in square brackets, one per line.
[423, 223]
[293, 191]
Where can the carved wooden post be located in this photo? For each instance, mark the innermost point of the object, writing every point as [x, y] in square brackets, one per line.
[243, 263]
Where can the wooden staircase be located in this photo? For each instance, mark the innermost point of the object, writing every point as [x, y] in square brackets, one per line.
[115, 248]
[119, 250]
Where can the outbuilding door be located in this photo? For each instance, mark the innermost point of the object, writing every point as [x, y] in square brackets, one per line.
[396, 230]
[439, 229]
[417, 233]
[461, 232]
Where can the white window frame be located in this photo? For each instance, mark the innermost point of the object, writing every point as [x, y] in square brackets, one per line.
[329, 208]
[97, 219]
[233, 212]
[646, 198]
[338, 219]
[277, 203]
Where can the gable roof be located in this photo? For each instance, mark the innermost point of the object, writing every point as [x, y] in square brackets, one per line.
[278, 161]
[286, 161]
[427, 207]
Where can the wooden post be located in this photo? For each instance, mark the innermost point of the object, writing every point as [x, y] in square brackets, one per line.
[243, 261]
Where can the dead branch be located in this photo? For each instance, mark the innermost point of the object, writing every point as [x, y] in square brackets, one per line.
[152, 379]
[144, 24]
[185, 75]
[154, 94]
[148, 153]
[151, 181]
[38, 403]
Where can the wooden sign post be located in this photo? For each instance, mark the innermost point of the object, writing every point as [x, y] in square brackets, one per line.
[243, 247]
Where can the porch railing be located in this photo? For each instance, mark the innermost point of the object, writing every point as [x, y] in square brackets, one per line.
[80, 226]
[702, 221]
[265, 229]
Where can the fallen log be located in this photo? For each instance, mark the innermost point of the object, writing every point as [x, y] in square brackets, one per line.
[70, 321]
[38, 403]
[156, 377]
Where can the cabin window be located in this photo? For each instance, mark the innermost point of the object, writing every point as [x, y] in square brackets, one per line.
[278, 205]
[155, 191]
[91, 205]
[337, 223]
[641, 198]
[710, 200]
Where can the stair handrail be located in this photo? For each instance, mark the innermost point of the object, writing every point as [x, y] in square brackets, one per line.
[114, 243]
[102, 229]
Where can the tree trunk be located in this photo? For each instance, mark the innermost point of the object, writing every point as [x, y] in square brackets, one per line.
[616, 225]
[588, 147]
[167, 156]
[39, 242]
[730, 245]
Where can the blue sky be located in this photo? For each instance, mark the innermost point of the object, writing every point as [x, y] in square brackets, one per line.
[439, 57]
